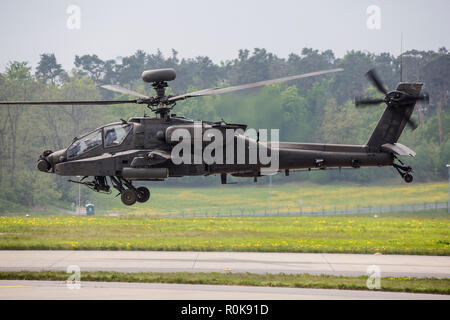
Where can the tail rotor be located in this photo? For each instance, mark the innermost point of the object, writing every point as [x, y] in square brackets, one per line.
[395, 98]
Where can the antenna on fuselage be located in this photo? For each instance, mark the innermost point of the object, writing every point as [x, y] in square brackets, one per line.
[401, 57]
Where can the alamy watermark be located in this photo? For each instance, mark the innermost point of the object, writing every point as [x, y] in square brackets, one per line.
[374, 19]
[374, 280]
[208, 145]
[74, 281]
[74, 20]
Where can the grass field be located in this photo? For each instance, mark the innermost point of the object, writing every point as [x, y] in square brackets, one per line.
[440, 286]
[142, 229]
[286, 197]
[422, 234]
[254, 198]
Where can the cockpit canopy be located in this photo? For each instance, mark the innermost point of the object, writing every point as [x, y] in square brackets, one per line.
[115, 134]
[109, 136]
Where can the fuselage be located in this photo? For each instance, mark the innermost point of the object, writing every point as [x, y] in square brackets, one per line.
[142, 149]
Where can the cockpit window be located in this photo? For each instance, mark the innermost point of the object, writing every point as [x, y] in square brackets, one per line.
[85, 144]
[114, 135]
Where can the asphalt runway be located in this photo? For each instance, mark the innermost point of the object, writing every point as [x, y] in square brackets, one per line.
[51, 290]
[254, 262]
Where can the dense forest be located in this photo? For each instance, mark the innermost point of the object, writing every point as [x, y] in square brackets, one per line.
[318, 109]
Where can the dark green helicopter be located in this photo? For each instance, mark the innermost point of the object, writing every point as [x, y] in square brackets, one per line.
[142, 148]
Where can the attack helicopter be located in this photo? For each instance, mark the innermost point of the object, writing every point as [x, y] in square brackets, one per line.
[141, 148]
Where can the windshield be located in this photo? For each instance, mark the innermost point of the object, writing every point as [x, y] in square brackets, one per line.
[115, 134]
[85, 144]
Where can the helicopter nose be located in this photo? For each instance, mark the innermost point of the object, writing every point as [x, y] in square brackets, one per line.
[43, 162]
[43, 165]
[49, 159]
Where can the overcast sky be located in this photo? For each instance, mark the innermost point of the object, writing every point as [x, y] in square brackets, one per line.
[218, 29]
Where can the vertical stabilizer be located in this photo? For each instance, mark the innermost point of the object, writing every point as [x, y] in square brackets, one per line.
[394, 118]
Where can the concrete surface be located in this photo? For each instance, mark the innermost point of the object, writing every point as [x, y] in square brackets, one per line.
[50, 290]
[255, 262]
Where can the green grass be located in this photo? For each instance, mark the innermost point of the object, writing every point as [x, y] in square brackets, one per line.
[286, 197]
[422, 234]
[254, 198]
[416, 285]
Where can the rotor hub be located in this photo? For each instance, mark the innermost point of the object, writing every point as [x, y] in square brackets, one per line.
[393, 97]
[160, 88]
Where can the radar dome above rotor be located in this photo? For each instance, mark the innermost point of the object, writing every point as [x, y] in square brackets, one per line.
[159, 75]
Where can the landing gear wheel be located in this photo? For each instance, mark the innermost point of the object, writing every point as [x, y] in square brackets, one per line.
[404, 171]
[129, 197]
[408, 178]
[143, 194]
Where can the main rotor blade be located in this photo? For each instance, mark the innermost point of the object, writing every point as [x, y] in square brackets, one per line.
[360, 102]
[372, 75]
[86, 102]
[116, 88]
[423, 98]
[213, 91]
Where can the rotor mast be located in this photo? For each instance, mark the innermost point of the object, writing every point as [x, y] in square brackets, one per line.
[161, 100]
[159, 78]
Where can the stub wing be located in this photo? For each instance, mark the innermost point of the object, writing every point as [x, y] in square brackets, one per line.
[151, 158]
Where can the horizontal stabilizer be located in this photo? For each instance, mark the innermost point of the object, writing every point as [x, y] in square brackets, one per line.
[398, 149]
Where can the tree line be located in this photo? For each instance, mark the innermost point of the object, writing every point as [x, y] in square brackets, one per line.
[318, 109]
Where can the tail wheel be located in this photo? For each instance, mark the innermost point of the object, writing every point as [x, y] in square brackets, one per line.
[129, 197]
[408, 178]
[143, 194]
